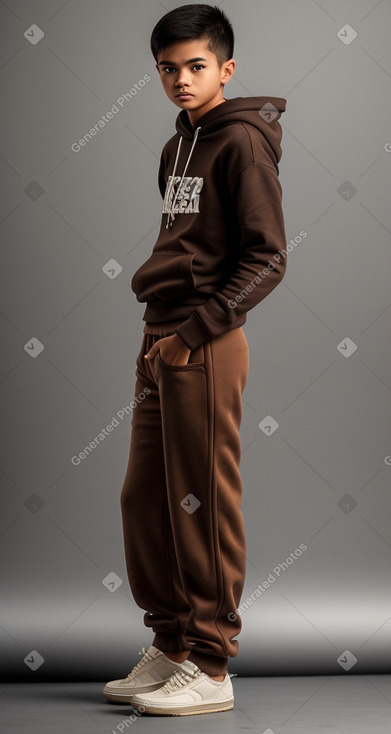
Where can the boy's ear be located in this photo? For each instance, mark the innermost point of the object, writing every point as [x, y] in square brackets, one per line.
[229, 68]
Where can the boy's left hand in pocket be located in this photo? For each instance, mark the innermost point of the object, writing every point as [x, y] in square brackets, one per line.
[173, 350]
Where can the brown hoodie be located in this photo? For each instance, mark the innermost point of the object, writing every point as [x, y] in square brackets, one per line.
[221, 245]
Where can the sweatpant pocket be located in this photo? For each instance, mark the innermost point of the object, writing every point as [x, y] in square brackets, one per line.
[179, 367]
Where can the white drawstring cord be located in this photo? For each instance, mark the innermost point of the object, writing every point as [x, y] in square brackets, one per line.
[171, 210]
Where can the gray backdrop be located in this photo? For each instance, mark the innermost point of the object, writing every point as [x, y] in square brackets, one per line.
[77, 221]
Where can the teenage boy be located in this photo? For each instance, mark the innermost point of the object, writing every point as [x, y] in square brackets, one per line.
[219, 252]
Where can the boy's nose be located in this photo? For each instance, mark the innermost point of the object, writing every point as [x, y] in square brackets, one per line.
[182, 82]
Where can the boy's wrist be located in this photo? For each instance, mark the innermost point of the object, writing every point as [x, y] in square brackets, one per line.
[192, 332]
[181, 341]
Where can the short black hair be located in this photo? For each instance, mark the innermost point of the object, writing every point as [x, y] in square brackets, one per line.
[195, 22]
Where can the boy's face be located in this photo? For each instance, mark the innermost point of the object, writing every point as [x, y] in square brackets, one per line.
[190, 67]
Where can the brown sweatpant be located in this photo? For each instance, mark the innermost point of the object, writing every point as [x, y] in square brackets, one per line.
[184, 532]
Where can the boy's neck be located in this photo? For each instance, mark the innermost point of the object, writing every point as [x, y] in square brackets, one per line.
[195, 115]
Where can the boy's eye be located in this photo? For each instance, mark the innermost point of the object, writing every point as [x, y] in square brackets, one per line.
[168, 69]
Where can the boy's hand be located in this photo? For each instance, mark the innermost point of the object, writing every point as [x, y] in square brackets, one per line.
[173, 350]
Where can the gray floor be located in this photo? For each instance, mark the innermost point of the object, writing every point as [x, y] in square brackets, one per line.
[352, 704]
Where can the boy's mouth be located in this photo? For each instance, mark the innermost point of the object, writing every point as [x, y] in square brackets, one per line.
[183, 95]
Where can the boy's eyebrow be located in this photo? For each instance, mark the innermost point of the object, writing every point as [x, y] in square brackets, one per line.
[190, 61]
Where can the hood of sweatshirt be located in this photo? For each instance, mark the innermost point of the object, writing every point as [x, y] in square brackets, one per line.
[261, 112]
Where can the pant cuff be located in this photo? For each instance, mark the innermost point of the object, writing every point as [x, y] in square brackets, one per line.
[209, 664]
[170, 643]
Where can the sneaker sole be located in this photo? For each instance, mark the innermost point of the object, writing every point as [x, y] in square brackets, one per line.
[192, 709]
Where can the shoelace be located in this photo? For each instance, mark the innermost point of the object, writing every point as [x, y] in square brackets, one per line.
[179, 679]
[146, 658]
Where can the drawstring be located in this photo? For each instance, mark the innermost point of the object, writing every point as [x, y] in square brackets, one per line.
[172, 177]
[171, 208]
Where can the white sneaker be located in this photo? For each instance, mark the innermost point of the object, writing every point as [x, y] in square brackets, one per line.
[150, 673]
[189, 691]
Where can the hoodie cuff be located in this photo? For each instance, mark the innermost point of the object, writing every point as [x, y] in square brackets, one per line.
[192, 332]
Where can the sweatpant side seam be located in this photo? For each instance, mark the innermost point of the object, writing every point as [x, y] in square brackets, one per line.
[213, 493]
[166, 530]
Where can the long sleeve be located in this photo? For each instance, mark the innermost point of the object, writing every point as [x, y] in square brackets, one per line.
[256, 196]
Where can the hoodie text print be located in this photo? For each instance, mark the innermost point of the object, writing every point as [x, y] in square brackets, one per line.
[221, 244]
[187, 197]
